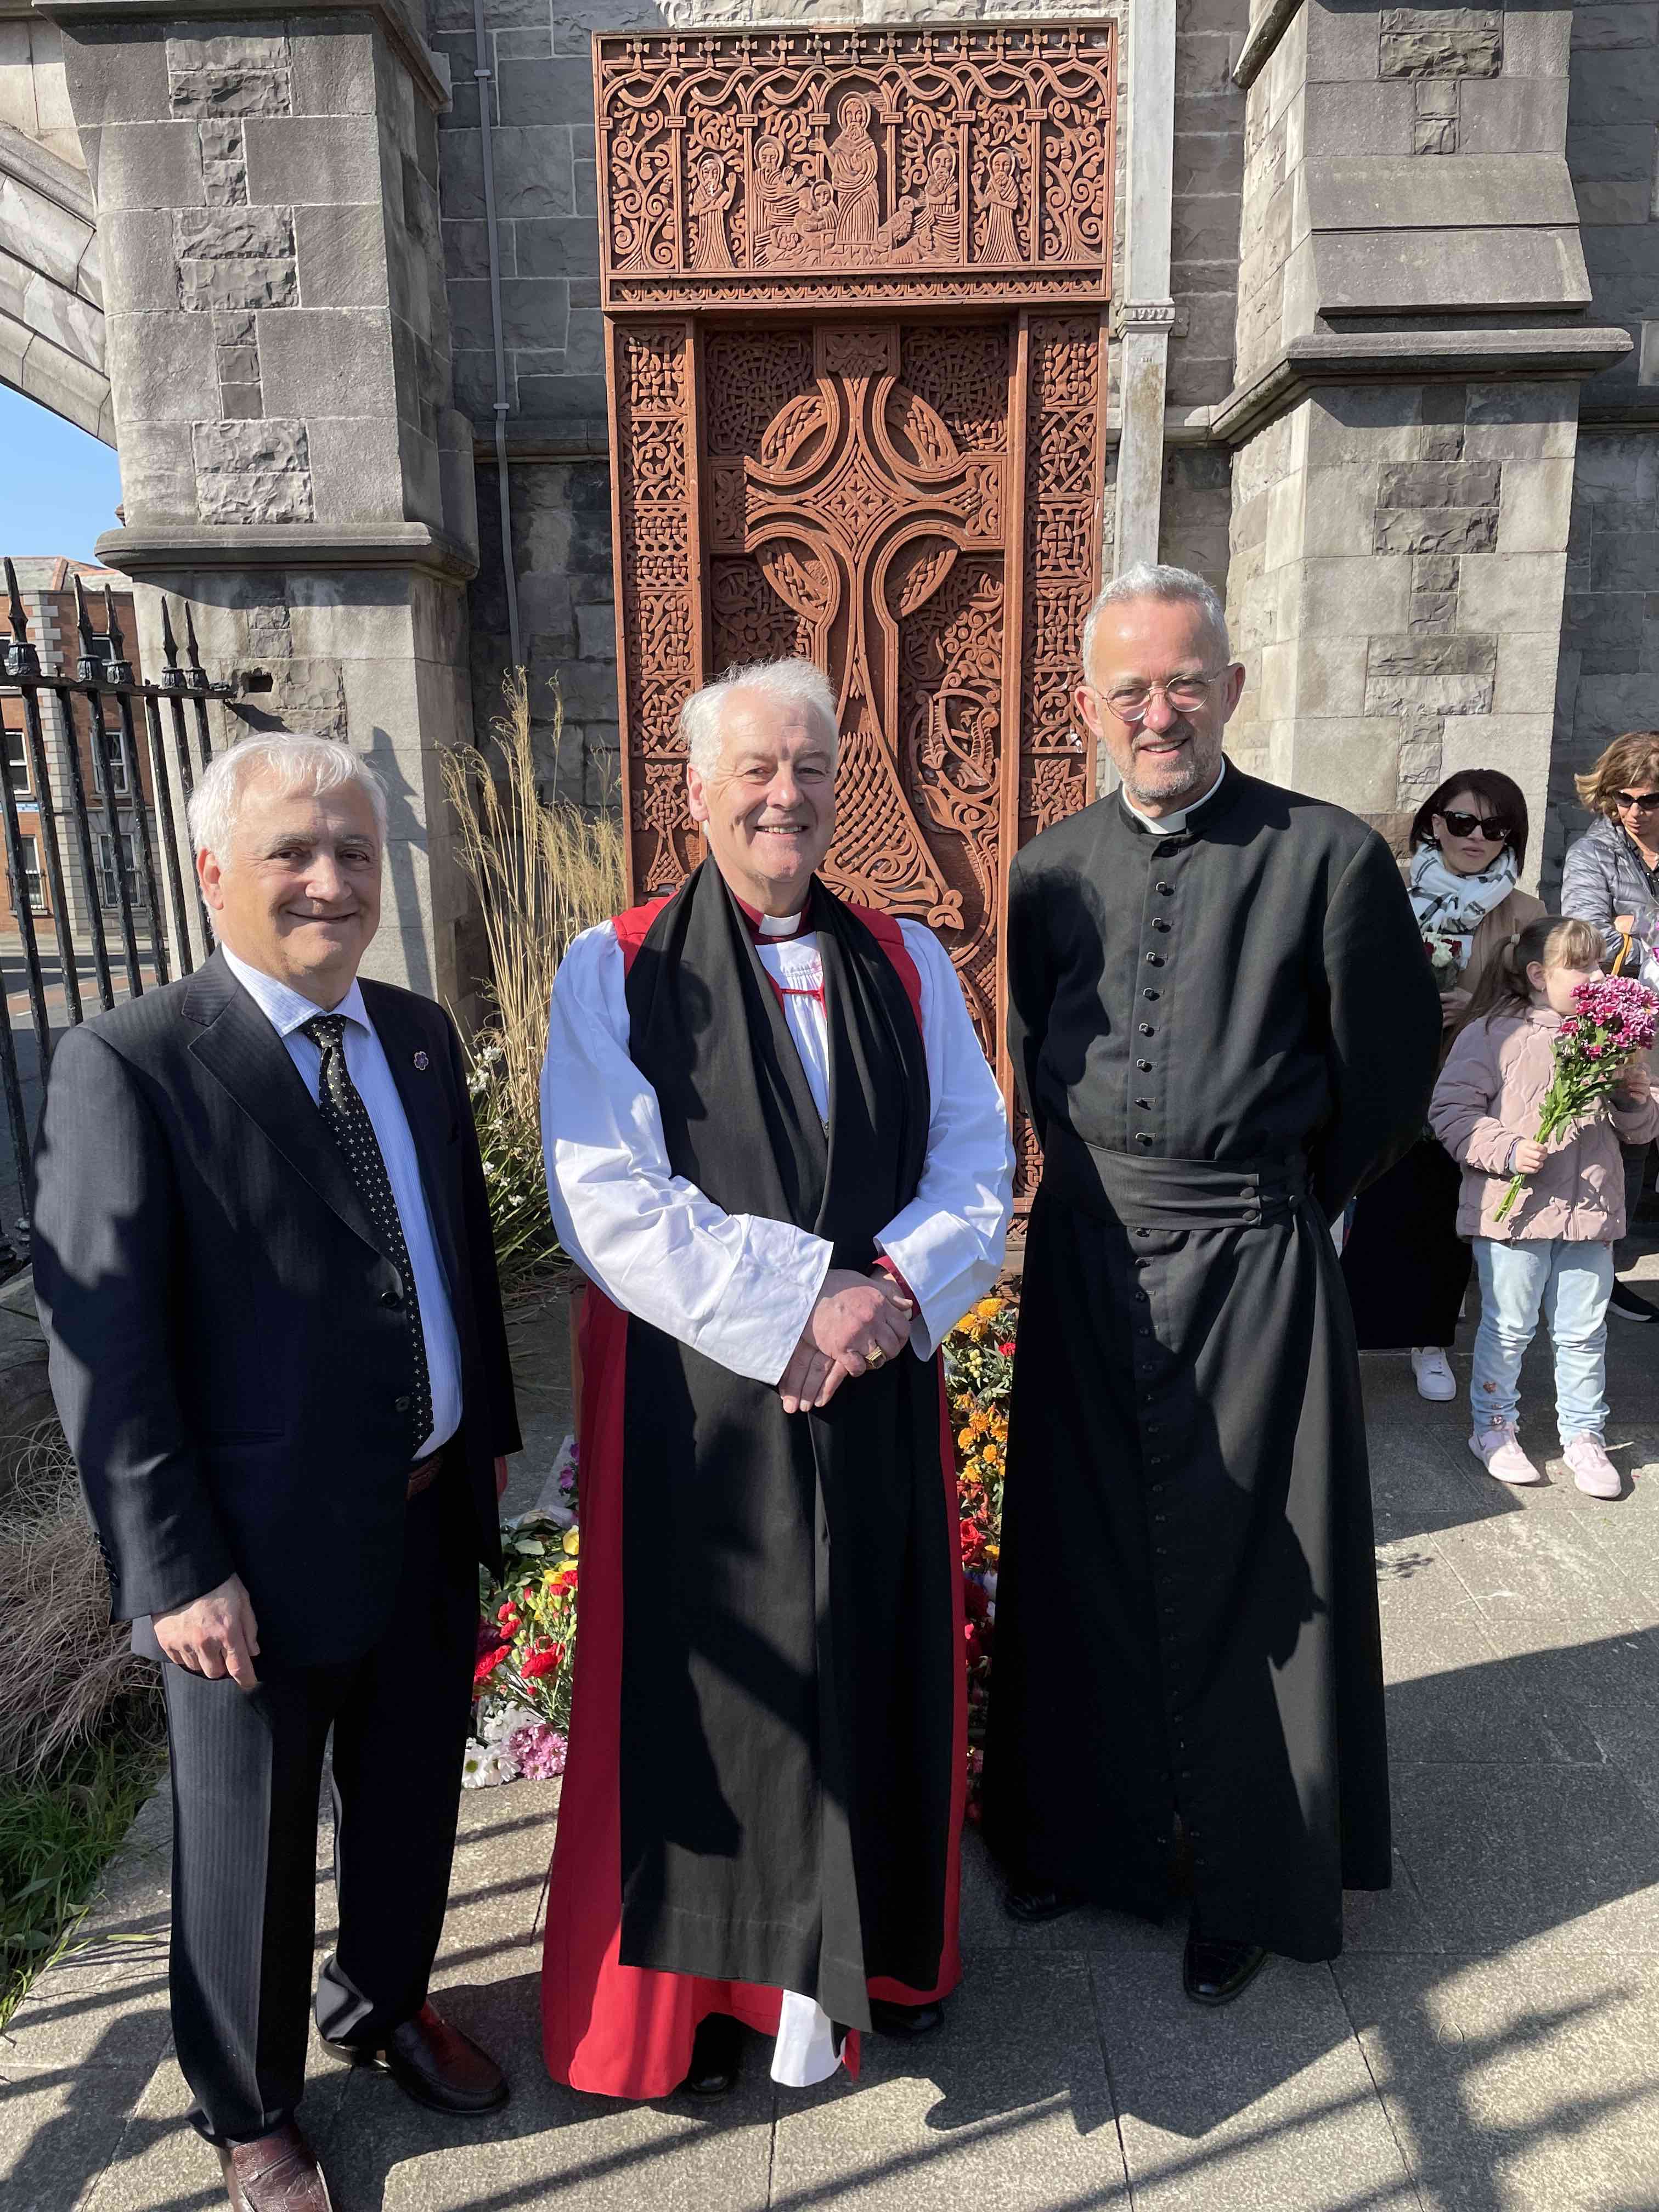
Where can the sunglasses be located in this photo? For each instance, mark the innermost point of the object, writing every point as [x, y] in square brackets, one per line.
[1637, 802]
[1492, 827]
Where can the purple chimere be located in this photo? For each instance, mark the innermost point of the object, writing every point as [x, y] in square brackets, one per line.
[1612, 1023]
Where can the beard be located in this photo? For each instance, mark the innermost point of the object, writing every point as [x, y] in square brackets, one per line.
[1160, 781]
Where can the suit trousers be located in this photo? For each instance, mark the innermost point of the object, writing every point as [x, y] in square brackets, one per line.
[246, 1773]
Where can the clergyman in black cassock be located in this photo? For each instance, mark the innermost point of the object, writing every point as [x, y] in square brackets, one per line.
[1219, 1028]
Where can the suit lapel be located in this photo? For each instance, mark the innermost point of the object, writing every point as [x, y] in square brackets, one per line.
[242, 1050]
[427, 1108]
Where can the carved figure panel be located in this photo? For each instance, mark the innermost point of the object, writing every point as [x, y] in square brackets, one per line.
[966, 162]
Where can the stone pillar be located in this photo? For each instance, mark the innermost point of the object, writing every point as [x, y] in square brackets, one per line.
[278, 351]
[1411, 344]
[1146, 314]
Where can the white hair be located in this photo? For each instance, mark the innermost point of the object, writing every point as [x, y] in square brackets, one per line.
[793, 680]
[294, 760]
[1156, 580]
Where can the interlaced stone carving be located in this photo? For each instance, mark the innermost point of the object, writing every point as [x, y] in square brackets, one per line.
[858, 164]
[912, 500]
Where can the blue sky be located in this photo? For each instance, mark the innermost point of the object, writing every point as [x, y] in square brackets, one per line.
[59, 487]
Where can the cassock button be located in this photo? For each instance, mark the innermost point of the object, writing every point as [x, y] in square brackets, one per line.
[1168, 889]
[1141, 1137]
[1145, 1066]
[1146, 1028]
[1142, 1233]
[1158, 922]
[1154, 959]
[1145, 1104]
[390, 1298]
[400, 1405]
[1149, 994]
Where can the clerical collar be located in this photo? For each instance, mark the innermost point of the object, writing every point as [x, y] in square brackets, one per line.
[1172, 825]
[770, 928]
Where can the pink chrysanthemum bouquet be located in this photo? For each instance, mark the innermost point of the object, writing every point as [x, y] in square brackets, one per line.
[1613, 1021]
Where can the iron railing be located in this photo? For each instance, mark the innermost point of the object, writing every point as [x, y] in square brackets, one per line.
[115, 705]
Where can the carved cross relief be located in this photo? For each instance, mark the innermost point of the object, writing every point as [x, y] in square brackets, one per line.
[856, 285]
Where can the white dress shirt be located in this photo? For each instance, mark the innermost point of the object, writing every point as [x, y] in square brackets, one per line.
[369, 1069]
[738, 1287]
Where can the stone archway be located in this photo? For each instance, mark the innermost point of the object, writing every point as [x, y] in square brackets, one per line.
[51, 313]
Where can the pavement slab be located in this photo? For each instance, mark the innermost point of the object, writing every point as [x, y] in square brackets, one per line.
[1488, 2041]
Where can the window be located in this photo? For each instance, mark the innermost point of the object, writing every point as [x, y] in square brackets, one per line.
[110, 774]
[109, 891]
[17, 763]
[32, 892]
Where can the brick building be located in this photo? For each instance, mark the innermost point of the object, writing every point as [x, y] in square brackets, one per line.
[47, 592]
[1385, 361]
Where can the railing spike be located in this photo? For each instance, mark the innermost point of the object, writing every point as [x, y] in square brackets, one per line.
[88, 668]
[172, 676]
[120, 668]
[198, 677]
[21, 657]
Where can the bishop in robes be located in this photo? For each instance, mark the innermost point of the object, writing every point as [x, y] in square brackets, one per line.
[774, 1146]
[1222, 1023]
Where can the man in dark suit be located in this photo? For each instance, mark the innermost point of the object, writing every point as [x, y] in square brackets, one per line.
[263, 1258]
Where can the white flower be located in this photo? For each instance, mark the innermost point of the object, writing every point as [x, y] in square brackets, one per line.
[500, 1720]
[485, 1765]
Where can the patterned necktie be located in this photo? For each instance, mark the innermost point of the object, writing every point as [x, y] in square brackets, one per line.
[341, 1104]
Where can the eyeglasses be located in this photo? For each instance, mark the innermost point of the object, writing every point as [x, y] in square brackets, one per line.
[1492, 827]
[1183, 693]
[1637, 802]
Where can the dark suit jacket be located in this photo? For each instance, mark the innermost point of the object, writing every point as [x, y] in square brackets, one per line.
[225, 1335]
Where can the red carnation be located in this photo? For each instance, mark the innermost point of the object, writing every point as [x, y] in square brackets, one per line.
[542, 1661]
[487, 1665]
[1007, 1349]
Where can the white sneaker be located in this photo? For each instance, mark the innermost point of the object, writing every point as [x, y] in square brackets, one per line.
[1498, 1450]
[1435, 1379]
[1592, 1470]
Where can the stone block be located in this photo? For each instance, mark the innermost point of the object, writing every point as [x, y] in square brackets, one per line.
[333, 70]
[1349, 598]
[1370, 193]
[1613, 153]
[253, 473]
[1357, 119]
[1647, 366]
[1524, 422]
[149, 165]
[541, 92]
[224, 283]
[1537, 507]
[1416, 656]
[1432, 134]
[1616, 86]
[158, 473]
[1341, 46]
[1463, 270]
[120, 75]
[1624, 561]
[1435, 96]
[1526, 673]
[1512, 591]
[556, 246]
[161, 367]
[341, 256]
[1441, 42]
[1330, 676]
[240, 402]
[315, 160]
[224, 184]
[358, 466]
[1435, 529]
[1620, 25]
[1350, 759]
[1539, 41]
[1432, 612]
[1520, 741]
[138, 250]
[1608, 203]
[1430, 483]
[212, 92]
[1513, 115]
[219, 47]
[265, 234]
[532, 173]
[327, 361]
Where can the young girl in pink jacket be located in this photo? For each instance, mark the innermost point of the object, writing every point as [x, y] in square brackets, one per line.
[1554, 1250]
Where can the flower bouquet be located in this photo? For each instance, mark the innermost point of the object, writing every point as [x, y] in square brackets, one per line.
[521, 1678]
[1612, 1022]
[1446, 957]
[979, 1370]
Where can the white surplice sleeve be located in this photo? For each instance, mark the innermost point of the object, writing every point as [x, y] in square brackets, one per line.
[736, 1287]
[947, 1244]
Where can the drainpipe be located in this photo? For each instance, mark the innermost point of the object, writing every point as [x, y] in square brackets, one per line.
[484, 76]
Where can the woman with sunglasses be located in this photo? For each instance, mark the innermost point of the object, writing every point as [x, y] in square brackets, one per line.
[1612, 879]
[1405, 1266]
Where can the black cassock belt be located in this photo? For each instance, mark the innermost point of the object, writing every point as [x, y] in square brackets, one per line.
[1170, 1195]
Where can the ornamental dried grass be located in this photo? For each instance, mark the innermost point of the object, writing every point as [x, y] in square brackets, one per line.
[544, 870]
[66, 1672]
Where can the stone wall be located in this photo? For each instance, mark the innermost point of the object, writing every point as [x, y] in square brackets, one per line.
[1609, 672]
[277, 341]
[1209, 176]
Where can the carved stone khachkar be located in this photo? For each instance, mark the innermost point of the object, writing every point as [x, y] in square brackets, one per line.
[912, 501]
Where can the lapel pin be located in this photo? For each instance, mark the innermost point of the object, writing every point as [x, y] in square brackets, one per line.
[421, 1062]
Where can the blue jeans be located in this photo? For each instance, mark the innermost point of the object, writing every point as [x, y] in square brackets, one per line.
[1570, 1283]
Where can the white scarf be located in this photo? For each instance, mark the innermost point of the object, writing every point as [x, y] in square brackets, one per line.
[1447, 904]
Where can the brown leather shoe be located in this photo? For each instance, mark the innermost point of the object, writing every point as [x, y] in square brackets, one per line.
[278, 2173]
[434, 2063]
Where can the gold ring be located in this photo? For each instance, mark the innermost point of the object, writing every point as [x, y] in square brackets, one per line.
[876, 1357]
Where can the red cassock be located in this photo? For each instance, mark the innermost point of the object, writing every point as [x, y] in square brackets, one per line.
[627, 2031]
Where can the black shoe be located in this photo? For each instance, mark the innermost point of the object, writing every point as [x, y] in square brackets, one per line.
[434, 2063]
[903, 2020]
[1213, 1973]
[1628, 1307]
[716, 2056]
[1034, 1902]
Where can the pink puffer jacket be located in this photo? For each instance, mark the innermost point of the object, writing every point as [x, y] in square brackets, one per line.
[1492, 1091]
